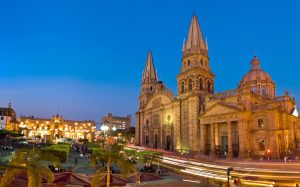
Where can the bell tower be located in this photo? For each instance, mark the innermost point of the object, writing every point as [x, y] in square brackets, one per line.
[195, 75]
[149, 81]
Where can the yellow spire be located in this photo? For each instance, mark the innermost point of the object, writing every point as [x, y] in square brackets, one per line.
[195, 39]
[149, 75]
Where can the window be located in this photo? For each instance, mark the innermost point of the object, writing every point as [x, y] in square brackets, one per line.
[2, 118]
[208, 86]
[260, 122]
[261, 145]
[254, 89]
[182, 87]
[201, 62]
[189, 62]
[264, 91]
[151, 89]
[201, 84]
[190, 84]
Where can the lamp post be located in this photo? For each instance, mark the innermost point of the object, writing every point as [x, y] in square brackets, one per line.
[228, 175]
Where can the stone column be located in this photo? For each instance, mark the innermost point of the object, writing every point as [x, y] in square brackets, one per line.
[202, 137]
[217, 140]
[242, 145]
[212, 140]
[229, 152]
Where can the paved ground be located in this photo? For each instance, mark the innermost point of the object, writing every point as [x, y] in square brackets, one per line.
[244, 163]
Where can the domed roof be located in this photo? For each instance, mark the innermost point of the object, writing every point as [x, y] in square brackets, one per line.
[256, 74]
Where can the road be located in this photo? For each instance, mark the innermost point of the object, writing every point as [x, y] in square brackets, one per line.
[251, 173]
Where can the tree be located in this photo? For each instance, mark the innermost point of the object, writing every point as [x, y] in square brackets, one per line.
[111, 153]
[29, 161]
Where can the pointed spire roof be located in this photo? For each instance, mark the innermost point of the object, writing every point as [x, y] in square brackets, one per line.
[195, 39]
[149, 74]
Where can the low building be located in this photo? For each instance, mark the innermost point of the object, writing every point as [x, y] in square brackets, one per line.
[117, 122]
[56, 127]
[8, 118]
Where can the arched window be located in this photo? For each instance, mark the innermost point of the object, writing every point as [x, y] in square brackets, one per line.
[189, 62]
[182, 87]
[264, 91]
[151, 89]
[208, 86]
[201, 62]
[201, 84]
[190, 84]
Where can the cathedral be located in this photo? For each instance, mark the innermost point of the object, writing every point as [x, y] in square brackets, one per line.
[248, 121]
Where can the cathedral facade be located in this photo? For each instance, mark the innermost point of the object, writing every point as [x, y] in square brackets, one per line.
[249, 121]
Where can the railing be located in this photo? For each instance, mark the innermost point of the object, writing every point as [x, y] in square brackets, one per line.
[166, 91]
[194, 50]
[223, 95]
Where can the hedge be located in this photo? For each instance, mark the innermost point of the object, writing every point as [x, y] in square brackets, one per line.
[60, 151]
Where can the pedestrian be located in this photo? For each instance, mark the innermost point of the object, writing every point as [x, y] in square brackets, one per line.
[76, 161]
[285, 158]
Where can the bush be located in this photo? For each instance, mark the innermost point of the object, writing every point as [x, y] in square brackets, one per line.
[60, 151]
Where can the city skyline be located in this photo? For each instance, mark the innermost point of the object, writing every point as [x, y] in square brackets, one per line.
[94, 64]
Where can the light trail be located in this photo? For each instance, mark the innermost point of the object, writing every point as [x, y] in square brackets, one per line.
[219, 172]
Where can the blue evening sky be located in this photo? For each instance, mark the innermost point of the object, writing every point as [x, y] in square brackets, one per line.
[85, 58]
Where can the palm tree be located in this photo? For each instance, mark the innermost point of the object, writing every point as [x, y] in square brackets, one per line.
[111, 153]
[29, 161]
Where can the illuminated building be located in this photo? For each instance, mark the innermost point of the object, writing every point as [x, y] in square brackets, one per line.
[117, 122]
[249, 121]
[56, 127]
[8, 119]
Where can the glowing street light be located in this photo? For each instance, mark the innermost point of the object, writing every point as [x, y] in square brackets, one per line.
[104, 128]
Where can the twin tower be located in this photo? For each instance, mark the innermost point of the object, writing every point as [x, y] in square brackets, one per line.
[195, 74]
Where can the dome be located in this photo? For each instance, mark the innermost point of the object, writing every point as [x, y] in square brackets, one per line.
[258, 80]
[256, 74]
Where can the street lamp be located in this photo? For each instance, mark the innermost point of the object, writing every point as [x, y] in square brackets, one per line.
[104, 128]
[228, 175]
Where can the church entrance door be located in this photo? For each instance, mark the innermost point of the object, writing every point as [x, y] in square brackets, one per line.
[147, 140]
[168, 147]
[155, 141]
[224, 145]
